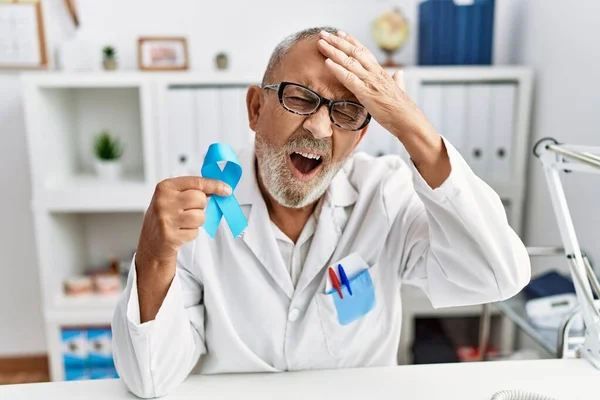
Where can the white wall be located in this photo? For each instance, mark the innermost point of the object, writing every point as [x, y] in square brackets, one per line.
[21, 327]
[247, 30]
[20, 312]
[560, 42]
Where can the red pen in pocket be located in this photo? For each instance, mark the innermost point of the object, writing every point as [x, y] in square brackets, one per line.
[334, 282]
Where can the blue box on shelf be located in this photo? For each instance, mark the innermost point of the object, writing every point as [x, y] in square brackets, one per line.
[87, 353]
[100, 347]
[550, 283]
[77, 374]
[74, 348]
[456, 34]
[103, 373]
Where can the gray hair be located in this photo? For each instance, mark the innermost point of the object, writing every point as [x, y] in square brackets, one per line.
[285, 46]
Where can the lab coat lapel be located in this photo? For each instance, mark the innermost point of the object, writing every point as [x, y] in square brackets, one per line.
[322, 247]
[329, 230]
[260, 239]
[259, 236]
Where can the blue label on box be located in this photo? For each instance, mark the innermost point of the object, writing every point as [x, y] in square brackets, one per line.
[77, 374]
[74, 348]
[100, 347]
[104, 373]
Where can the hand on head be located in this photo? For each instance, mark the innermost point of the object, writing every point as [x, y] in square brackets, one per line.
[382, 95]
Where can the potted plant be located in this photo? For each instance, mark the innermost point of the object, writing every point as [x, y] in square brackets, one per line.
[108, 151]
[109, 58]
[222, 61]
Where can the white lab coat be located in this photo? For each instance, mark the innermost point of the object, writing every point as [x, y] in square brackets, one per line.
[232, 306]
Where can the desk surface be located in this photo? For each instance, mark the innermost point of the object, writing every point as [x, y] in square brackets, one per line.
[562, 379]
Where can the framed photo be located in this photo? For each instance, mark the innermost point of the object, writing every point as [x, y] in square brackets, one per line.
[22, 39]
[163, 54]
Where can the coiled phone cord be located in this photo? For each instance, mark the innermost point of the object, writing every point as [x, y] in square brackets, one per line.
[519, 395]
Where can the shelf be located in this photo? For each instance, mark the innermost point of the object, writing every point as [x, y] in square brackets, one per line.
[471, 73]
[86, 302]
[44, 79]
[64, 123]
[85, 193]
[85, 309]
[80, 317]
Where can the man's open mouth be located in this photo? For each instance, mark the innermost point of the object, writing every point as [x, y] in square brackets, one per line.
[306, 164]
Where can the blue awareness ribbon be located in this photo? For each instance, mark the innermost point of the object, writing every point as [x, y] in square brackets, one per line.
[223, 206]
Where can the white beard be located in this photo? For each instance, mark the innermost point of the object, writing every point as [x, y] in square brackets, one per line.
[279, 181]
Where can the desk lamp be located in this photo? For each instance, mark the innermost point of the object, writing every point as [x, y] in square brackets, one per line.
[556, 157]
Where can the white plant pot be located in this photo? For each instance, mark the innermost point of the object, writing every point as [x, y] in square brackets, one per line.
[108, 170]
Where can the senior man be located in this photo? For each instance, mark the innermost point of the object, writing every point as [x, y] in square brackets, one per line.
[269, 301]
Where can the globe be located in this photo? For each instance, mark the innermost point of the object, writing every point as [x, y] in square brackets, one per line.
[390, 33]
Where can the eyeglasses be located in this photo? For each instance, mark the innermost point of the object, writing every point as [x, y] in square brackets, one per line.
[301, 100]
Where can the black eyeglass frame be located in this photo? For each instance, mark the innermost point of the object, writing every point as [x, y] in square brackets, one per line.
[279, 88]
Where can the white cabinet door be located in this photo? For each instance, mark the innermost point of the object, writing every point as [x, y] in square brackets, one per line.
[234, 117]
[454, 115]
[479, 121]
[377, 141]
[209, 121]
[199, 117]
[431, 102]
[180, 138]
[503, 130]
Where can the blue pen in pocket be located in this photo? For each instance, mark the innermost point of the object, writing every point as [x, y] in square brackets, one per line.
[362, 301]
[344, 278]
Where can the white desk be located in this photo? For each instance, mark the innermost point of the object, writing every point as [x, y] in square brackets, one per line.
[562, 379]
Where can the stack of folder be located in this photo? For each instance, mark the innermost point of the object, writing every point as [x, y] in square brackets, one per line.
[455, 34]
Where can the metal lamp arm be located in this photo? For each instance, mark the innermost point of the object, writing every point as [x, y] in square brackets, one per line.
[556, 157]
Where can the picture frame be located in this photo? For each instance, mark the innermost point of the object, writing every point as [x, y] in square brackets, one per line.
[168, 53]
[23, 44]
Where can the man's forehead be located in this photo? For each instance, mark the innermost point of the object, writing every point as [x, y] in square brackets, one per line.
[304, 64]
[333, 90]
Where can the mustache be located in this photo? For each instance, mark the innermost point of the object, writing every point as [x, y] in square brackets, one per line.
[320, 146]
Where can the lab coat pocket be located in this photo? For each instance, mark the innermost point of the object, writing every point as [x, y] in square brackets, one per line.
[354, 319]
[353, 306]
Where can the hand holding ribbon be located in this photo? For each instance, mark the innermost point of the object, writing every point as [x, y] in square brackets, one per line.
[223, 206]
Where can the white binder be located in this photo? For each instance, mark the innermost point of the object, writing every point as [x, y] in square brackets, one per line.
[454, 115]
[233, 111]
[376, 140]
[477, 151]
[208, 122]
[396, 147]
[181, 136]
[431, 102]
[247, 135]
[503, 128]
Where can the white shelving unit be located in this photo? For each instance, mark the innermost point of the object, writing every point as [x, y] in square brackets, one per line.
[80, 221]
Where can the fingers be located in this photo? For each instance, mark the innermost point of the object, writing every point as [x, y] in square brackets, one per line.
[348, 79]
[341, 58]
[399, 79]
[352, 48]
[206, 185]
[191, 219]
[192, 199]
[187, 235]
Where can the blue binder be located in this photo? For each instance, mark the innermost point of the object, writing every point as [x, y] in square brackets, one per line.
[451, 34]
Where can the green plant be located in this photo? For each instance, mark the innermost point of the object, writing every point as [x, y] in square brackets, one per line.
[107, 147]
[109, 52]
